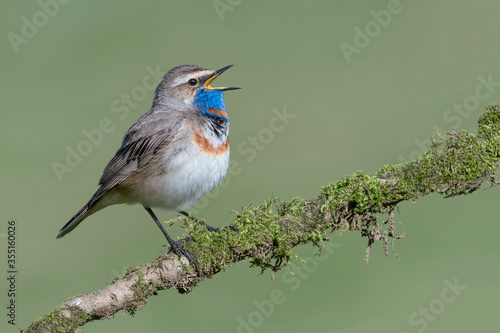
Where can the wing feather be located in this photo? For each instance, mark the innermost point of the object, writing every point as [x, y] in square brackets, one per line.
[139, 145]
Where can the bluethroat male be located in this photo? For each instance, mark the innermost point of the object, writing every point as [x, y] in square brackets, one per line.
[172, 155]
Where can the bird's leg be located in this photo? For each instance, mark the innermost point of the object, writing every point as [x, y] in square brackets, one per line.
[210, 228]
[174, 246]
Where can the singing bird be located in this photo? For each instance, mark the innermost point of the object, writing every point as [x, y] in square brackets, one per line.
[172, 155]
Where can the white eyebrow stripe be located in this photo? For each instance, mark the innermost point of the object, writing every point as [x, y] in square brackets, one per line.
[184, 78]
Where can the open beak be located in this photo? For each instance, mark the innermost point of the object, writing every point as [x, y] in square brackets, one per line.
[215, 75]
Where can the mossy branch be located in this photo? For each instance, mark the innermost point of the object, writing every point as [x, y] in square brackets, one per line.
[455, 165]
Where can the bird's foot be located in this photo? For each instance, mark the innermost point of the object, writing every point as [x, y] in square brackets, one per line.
[176, 247]
[228, 227]
[210, 228]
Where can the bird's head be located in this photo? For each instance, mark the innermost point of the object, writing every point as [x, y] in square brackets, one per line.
[189, 88]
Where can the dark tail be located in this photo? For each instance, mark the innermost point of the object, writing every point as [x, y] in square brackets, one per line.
[80, 216]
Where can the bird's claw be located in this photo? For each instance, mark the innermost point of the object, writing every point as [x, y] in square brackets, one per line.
[176, 248]
[229, 227]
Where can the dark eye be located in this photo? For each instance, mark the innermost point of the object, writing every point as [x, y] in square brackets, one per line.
[192, 82]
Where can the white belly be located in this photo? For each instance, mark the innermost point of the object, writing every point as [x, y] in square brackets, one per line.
[189, 175]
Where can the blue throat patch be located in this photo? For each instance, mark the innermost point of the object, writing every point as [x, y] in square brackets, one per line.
[210, 99]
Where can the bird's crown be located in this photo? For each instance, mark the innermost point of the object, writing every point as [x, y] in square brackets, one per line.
[188, 88]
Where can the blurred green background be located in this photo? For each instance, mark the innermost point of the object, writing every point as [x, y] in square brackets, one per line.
[359, 109]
